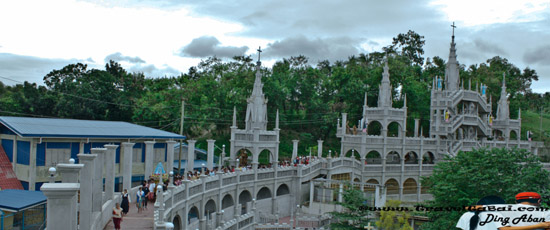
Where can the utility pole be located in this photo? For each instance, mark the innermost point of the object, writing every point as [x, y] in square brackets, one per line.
[181, 133]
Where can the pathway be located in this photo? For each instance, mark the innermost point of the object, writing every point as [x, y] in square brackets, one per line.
[134, 220]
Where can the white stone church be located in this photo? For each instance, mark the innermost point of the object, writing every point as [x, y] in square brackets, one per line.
[384, 166]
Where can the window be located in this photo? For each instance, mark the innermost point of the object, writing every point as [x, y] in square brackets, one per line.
[55, 156]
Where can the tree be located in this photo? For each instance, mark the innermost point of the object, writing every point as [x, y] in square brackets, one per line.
[398, 220]
[464, 179]
[411, 45]
[355, 212]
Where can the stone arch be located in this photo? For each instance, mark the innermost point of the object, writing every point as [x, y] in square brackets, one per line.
[374, 157]
[240, 155]
[353, 153]
[245, 197]
[411, 158]
[193, 214]
[209, 208]
[283, 190]
[513, 135]
[374, 128]
[265, 157]
[263, 193]
[498, 134]
[394, 129]
[357, 180]
[227, 201]
[410, 186]
[428, 158]
[371, 181]
[392, 187]
[393, 158]
[177, 222]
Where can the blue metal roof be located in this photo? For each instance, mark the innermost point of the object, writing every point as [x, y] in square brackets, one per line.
[57, 127]
[17, 200]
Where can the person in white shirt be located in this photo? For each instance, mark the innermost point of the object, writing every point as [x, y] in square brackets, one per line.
[477, 220]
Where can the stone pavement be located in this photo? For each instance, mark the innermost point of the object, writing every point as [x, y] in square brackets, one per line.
[134, 220]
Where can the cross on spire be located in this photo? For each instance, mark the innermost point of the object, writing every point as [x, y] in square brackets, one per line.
[453, 25]
[259, 52]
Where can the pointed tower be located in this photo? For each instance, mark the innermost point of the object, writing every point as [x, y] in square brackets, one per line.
[384, 95]
[256, 110]
[451, 72]
[503, 110]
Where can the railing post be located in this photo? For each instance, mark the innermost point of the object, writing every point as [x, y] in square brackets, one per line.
[61, 205]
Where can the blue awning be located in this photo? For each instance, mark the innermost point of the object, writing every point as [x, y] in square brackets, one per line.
[18, 200]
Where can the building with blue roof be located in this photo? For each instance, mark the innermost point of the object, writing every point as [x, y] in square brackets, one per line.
[33, 145]
[21, 209]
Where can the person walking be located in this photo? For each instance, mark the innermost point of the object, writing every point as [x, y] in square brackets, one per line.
[117, 216]
[125, 202]
[145, 193]
[139, 198]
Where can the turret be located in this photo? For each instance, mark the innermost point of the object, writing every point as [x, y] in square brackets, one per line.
[384, 95]
[256, 110]
[451, 72]
[503, 110]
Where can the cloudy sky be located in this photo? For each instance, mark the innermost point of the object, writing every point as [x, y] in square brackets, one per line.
[166, 37]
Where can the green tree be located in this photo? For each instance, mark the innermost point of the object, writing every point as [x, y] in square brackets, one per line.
[355, 214]
[394, 219]
[464, 179]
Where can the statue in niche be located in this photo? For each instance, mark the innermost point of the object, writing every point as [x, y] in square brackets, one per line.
[471, 133]
[460, 134]
[354, 130]
[243, 158]
[472, 108]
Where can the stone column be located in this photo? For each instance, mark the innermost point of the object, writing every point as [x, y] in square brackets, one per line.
[69, 172]
[294, 149]
[170, 156]
[377, 197]
[311, 193]
[190, 156]
[319, 148]
[127, 147]
[210, 156]
[61, 205]
[97, 184]
[86, 176]
[341, 193]
[416, 125]
[149, 158]
[110, 162]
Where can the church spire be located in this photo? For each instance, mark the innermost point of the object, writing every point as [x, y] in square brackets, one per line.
[451, 72]
[503, 110]
[384, 95]
[256, 110]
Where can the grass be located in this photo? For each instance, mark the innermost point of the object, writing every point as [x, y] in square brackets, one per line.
[530, 121]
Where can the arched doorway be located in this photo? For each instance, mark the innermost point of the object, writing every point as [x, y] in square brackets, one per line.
[283, 190]
[428, 158]
[177, 222]
[264, 193]
[244, 198]
[373, 157]
[374, 128]
[209, 208]
[369, 188]
[410, 186]
[227, 201]
[392, 187]
[394, 129]
[193, 214]
[353, 153]
[411, 158]
[393, 158]
[264, 158]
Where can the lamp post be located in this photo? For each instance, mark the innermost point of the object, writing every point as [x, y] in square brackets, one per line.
[222, 155]
[169, 226]
[71, 161]
[171, 175]
[202, 169]
[52, 174]
[238, 165]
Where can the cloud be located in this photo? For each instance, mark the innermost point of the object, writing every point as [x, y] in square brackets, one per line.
[318, 49]
[207, 46]
[152, 71]
[118, 57]
[29, 68]
[540, 55]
